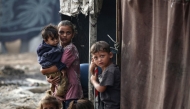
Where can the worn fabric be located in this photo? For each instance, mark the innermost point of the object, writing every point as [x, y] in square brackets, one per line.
[155, 54]
[69, 7]
[74, 7]
[111, 78]
[71, 59]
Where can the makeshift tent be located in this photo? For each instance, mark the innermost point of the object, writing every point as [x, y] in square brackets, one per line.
[155, 52]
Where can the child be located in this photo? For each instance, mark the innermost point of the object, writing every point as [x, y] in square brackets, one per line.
[71, 59]
[49, 102]
[50, 53]
[81, 104]
[109, 80]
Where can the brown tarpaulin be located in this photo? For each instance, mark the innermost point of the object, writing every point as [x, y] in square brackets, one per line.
[155, 54]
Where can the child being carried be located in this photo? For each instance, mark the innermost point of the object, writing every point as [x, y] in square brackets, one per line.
[49, 53]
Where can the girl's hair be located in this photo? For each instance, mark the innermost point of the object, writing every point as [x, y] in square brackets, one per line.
[68, 23]
[81, 104]
[49, 31]
[49, 99]
[100, 46]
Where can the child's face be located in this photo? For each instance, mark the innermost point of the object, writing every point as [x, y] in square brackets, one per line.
[66, 34]
[49, 106]
[102, 59]
[52, 41]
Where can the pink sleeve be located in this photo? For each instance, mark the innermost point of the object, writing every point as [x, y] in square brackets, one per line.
[68, 57]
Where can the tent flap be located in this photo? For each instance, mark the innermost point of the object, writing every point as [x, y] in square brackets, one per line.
[155, 52]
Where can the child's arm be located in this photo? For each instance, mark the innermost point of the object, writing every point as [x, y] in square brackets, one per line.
[54, 81]
[96, 84]
[49, 70]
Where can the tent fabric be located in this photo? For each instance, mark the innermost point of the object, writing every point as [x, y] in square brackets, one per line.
[155, 53]
[69, 7]
[75, 7]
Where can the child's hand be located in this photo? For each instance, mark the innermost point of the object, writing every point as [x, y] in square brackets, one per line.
[63, 72]
[92, 67]
[54, 81]
[93, 77]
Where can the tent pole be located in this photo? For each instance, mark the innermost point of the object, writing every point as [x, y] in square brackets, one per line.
[92, 39]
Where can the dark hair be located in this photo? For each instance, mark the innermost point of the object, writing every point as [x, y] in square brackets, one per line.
[49, 99]
[49, 31]
[68, 23]
[81, 104]
[100, 46]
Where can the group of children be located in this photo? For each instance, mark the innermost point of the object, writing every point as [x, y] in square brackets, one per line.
[59, 59]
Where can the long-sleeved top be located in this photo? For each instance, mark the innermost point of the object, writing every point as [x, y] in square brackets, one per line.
[50, 55]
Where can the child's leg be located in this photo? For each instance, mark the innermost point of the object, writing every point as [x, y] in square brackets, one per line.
[62, 87]
[52, 87]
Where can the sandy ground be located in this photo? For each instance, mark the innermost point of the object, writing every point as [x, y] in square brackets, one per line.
[21, 83]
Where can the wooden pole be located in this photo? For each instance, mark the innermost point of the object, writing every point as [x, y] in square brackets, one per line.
[92, 39]
[118, 31]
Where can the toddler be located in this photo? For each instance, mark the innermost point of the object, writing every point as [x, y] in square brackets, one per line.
[50, 53]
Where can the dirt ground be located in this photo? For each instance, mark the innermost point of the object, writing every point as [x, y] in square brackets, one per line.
[21, 83]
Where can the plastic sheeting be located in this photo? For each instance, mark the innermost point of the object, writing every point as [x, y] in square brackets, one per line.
[155, 54]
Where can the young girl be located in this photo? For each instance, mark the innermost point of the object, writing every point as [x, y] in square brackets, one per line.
[81, 104]
[49, 102]
[66, 31]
